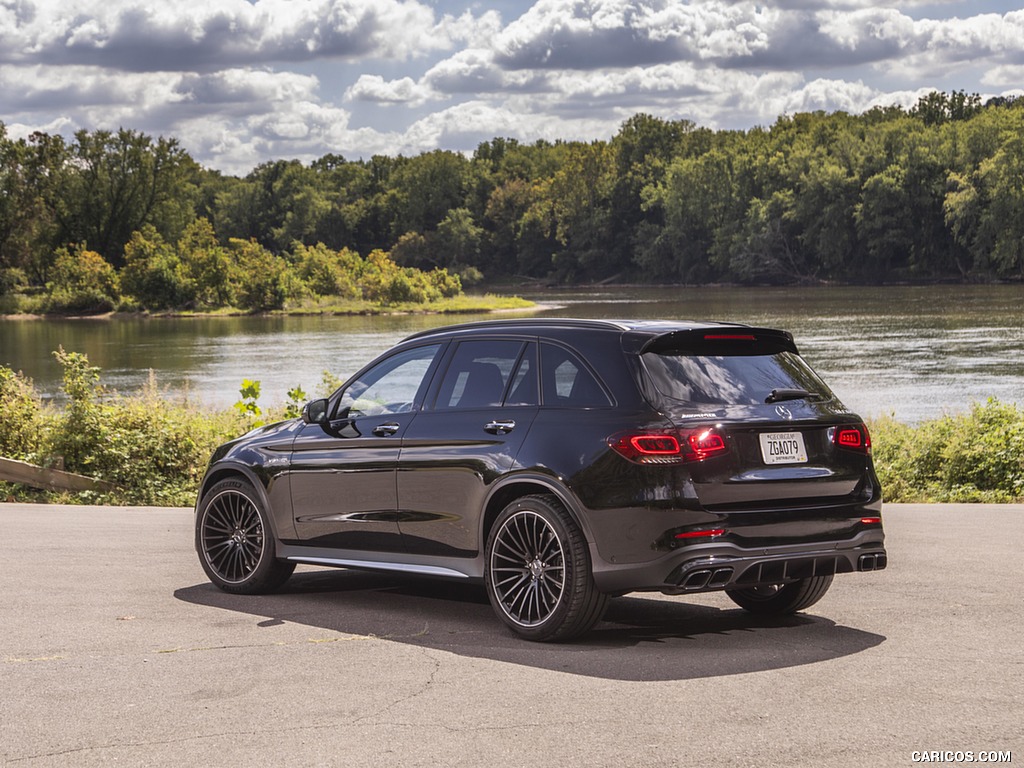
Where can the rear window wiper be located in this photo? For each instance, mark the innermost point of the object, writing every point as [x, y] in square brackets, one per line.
[778, 395]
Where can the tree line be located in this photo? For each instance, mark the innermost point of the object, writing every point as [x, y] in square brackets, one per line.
[931, 192]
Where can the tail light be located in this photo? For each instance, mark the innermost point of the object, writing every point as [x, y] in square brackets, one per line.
[713, 533]
[853, 437]
[670, 447]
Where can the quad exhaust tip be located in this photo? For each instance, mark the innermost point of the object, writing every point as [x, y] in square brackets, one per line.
[707, 579]
[875, 562]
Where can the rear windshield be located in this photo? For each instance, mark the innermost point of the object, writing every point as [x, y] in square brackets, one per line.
[730, 379]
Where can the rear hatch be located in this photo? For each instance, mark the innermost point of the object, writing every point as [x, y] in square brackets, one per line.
[764, 430]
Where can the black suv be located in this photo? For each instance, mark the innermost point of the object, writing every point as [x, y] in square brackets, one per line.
[559, 463]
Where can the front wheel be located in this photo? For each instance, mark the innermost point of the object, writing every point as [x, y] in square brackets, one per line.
[235, 542]
[781, 599]
[538, 572]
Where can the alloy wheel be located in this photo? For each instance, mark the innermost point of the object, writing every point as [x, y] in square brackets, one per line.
[232, 536]
[527, 565]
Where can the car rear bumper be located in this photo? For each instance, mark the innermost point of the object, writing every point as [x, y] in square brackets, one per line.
[716, 566]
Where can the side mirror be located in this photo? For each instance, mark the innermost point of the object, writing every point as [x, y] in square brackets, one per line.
[315, 412]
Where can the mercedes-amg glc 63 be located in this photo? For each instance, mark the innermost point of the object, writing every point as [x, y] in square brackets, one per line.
[560, 463]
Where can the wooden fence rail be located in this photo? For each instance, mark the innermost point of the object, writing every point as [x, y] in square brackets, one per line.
[13, 471]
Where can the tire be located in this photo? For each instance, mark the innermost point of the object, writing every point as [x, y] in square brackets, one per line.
[781, 599]
[538, 573]
[235, 541]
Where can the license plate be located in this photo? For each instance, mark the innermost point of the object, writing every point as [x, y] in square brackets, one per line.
[783, 448]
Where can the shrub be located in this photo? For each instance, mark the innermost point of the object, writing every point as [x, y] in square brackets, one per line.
[81, 281]
[259, 276]
[449, 285]
[328, 273]
[154, 451]
[974, 456]
[386, 283]
[20, 417]
[153, 273]
[206, 264]
[79, 432]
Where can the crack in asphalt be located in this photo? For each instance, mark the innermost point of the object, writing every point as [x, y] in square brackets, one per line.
[202, 649]
[427, 684]
[297, 729]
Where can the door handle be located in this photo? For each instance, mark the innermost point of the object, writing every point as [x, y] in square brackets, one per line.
[499, 427]
[386, 430]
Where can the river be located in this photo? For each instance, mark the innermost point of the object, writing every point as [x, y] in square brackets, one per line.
[916, 352]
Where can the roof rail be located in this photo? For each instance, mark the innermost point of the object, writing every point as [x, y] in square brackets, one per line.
[564, 322]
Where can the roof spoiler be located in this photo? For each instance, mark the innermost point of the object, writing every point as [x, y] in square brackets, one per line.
[724, 340]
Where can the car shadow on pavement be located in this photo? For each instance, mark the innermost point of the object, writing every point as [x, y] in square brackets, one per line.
[640, 639]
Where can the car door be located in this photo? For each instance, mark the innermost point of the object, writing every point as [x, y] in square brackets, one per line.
[343, 472]
[479, 415]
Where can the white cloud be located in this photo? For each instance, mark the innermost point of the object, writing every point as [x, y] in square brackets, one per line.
[469, 71]
[472, 30]
[583, 34]
[134, 35]
[466, 125]
[827, 95]
[241, 82]
[376, 89]
[594, 34]
[1007, 75]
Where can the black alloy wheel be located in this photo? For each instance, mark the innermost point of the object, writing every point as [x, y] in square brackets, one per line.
[538, 572]
[781, 599]
[234, 541]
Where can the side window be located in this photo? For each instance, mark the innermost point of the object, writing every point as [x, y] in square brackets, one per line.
[523, 390]
[478, 374]
[390, 386]
[567, 381]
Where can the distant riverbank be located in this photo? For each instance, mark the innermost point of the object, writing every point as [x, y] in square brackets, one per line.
[913, 352]
[457, 305]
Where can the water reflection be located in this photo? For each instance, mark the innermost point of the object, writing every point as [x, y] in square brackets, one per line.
[913, 351]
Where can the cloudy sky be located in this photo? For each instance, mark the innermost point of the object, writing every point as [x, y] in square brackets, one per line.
[239, 82]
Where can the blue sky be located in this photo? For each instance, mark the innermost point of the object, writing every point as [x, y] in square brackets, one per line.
[240, 82]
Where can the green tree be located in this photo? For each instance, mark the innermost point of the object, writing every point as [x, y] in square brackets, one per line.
[80, 432]
[427, 187]
[579, 198]
[883, 222]
[503, 225]
[278, 203]
[458, 240]
[998, 235]
[24, 218]
[698, 199]
[112, 184]
[642, 150]
[29, 175]
[824, 213]
[238, 211]
[767, 247]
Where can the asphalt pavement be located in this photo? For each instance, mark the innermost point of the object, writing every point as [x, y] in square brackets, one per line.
[116, 650]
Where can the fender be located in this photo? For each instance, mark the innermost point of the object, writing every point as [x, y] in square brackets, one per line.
[550, 483]
[280, 519]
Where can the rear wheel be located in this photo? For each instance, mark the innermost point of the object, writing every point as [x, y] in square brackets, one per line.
[781, 599]
[538, 572]
[235, 542]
